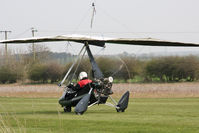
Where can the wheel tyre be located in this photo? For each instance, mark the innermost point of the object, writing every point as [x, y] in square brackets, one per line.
[79, 113]
[119, 110]
[67, 109]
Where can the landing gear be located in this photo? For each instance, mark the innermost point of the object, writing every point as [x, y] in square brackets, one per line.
[67, 109]
[120, 110]
[123, 103]
[79, 113]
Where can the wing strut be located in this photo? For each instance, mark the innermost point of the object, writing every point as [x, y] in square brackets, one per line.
[60, 84]
[95, 69]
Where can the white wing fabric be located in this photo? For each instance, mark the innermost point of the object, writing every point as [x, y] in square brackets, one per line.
[75, 38]
[100, 41]
[150, 42]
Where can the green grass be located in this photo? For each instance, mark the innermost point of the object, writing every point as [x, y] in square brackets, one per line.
[149, 115]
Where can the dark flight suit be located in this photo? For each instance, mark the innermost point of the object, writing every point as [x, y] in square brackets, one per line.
[81, 84]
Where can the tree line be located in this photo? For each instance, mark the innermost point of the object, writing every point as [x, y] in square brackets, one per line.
[122, 69]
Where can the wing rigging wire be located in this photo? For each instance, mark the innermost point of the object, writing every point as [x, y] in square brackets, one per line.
[77, 66]
[60, 84]
[114, 19]
[93, 14]
[22, 33]
[82, 20]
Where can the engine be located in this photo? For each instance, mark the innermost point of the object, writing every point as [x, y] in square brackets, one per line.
[103, 86]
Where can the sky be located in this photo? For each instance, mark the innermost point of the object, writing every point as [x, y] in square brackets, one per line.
[172, 20]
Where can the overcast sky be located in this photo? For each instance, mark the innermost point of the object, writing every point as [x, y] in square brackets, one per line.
[175, 20]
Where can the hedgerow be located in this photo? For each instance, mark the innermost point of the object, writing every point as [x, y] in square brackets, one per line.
[122, 69]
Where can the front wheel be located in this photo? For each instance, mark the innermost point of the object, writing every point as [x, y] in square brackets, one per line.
[67, 109]
[79, 113]
[120, 110]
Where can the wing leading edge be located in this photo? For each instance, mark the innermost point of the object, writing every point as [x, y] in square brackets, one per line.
[100, 41]
[74, 38]
[150, 42]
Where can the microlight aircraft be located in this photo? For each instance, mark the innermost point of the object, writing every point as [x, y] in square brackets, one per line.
[100, 89]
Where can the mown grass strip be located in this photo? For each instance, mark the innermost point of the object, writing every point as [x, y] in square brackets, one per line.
[144, 115]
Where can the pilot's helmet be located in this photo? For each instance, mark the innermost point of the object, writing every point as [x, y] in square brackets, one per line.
[82, 75]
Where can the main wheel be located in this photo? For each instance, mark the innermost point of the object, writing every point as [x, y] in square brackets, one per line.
[79, 113]
[67, 109]
[120, 110]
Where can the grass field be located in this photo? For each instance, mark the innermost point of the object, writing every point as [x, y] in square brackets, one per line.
[144, 115]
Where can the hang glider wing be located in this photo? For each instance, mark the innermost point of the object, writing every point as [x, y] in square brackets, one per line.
[150, 42]
[75, 38]
[100, 41]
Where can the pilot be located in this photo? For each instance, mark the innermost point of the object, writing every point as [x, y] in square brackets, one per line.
[83, 80]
